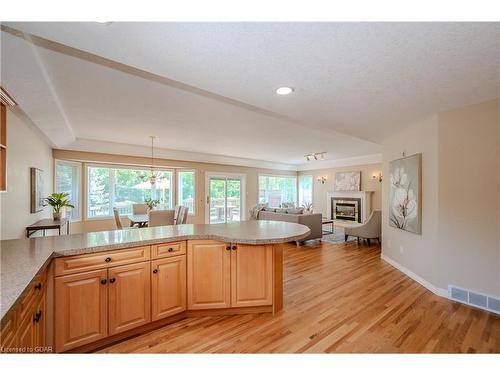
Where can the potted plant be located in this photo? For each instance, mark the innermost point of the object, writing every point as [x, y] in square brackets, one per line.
[58, 201]
[151, 203]
[308, 208]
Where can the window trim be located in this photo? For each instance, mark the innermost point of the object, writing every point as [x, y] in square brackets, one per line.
[121, 166]
[178, 171]
[298, 186]
[279, 175]
[79, 166]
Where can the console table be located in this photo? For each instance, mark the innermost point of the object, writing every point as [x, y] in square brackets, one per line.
[45, 224]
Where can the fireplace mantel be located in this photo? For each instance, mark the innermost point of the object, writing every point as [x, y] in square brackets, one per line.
[365, 196]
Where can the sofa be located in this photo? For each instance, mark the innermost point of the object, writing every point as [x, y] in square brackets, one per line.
[312, 221]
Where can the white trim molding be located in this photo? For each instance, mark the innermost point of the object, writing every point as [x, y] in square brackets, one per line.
[434, 289]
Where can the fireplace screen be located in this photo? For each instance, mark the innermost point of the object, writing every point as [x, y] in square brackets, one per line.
[346, 209]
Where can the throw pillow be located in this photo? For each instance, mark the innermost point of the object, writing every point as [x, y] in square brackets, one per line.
[295, 211]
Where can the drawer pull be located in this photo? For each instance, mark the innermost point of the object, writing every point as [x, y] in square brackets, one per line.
[234, 247]
[170, 249]
[155, 271]
[37, 317]
[104, 281]
[38, 286]
[228, 247]
[107, 260]
[112, 280]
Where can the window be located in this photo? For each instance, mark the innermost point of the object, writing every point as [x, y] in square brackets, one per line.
[186, 190]
[123, 187]
[67, 180]
[276, 190]
[305, 190]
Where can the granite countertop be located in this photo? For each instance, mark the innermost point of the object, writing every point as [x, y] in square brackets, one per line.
[22, 259]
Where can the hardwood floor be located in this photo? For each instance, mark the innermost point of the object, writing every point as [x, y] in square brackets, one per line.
[339, 298]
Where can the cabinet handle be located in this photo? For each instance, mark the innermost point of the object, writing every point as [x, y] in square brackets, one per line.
[234, 247]
[112, 280]
[107, 260]
[170, 249]
[104, 281]
[37, 317]
[228, 247]
[155, 271]
[38, 286]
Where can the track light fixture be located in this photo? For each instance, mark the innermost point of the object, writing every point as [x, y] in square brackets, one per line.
[315, 156]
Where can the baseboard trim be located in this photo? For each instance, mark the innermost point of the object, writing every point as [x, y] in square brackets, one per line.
[434, 289]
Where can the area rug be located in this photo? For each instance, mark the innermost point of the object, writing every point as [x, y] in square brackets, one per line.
[337, 237]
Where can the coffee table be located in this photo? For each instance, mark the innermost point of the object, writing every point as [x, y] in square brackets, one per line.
[324, 221]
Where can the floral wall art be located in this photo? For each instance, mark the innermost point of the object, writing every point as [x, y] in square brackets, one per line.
[405, 199]
[347, 181]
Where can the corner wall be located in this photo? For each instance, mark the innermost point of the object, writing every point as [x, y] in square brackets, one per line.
[469, 198]
[417, 253]
[26, 148]
[460, 240]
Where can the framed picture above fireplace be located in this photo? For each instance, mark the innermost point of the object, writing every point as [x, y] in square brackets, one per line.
[347, 181]
[405, 195]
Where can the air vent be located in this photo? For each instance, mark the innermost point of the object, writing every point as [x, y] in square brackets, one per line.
[458, 294]
[479, 300]
[494, 304]
[6, 99]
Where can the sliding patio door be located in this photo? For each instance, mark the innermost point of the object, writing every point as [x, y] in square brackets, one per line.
[224, 198]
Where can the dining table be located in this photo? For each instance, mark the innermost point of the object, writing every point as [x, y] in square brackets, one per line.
[140, 220]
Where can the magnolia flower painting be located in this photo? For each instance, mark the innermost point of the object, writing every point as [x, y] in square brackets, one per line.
[347, 181]
[405, 210]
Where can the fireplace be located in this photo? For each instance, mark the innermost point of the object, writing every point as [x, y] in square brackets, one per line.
[347, 209]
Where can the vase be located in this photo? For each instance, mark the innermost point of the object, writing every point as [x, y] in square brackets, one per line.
[56, 215]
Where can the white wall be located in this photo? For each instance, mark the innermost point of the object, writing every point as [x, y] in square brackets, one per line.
[418, 253]
[469, 197]
[26, 148]
[460, 243]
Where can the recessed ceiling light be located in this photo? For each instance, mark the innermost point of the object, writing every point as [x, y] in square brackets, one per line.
[284, 90]
[104, 22]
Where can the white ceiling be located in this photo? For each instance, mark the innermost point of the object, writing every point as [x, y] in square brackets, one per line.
[355, 83]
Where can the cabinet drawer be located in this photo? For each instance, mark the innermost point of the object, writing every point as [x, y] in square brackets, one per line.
[80, 263]
[168, 249]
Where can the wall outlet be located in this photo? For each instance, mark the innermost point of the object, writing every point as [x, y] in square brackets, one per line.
[401, 250]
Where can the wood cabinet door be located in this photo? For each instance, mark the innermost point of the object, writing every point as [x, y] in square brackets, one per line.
[8, 333]
[26, 334]
[208, 275]
[129, 296]
[81, 309]
[168, 289]
[252, 275]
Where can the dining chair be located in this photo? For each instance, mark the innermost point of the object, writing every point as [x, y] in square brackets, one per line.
[161, 217]
[140, 209]
[183, 215]
[176, 214]
[117, 218]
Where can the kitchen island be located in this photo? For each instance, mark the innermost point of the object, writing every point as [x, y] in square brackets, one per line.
[83, 291]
